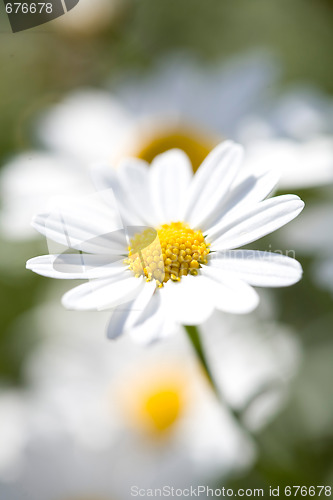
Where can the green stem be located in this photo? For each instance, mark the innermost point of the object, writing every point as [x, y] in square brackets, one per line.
[194, 336]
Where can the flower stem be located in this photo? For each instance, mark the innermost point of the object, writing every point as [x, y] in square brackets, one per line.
[194, 336]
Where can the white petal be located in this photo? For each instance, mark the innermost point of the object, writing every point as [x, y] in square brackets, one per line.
[85, 224]
[250, 225]
[230, 293]
[133, 176]
[103, 293]
[141, 302]
[211, 183]
[190, 301]
[151, 324]
[107, 182]
[120, 315]
[254, 188]
[258, 268]
[247, 191]
[170, 177]
[76, 266]
[126, 315]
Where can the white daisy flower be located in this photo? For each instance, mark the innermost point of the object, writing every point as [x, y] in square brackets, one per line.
[30, 179]
[140, 118]
[63, 471]
[106, 407]
[252, 360]
[22, 420]
[148, 414]
[59, 470]
[174, 262]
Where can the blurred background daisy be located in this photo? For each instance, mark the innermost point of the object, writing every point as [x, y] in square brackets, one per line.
[134, 78]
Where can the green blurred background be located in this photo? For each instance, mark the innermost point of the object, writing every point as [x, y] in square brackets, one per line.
[40, 65]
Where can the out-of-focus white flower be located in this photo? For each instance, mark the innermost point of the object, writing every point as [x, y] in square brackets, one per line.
[198, 101]
[149, 414]
[302, 165]
[26, 176]
[181, 104]
[252, 362]
[181, 267]
[302, 113]
[291, 133]
[294, 136]
[12, 433]
[21, 421]
[90, 129]
[312, 236]
[59, 470]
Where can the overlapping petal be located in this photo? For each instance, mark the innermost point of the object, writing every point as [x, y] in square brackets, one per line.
[76, 266]
[252, 224]
[126, 315]
[170, 177]
[153, 323]
[229, 293]
[253, 188]
[87, 225]
[133, 176]
[108, 184]
[211, 183]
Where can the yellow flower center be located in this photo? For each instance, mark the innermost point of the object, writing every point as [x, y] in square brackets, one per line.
[163, 408]
[157, 400]
[196, 144]
[169, 252]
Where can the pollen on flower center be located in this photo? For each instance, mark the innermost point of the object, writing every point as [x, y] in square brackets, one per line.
[172, 251]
